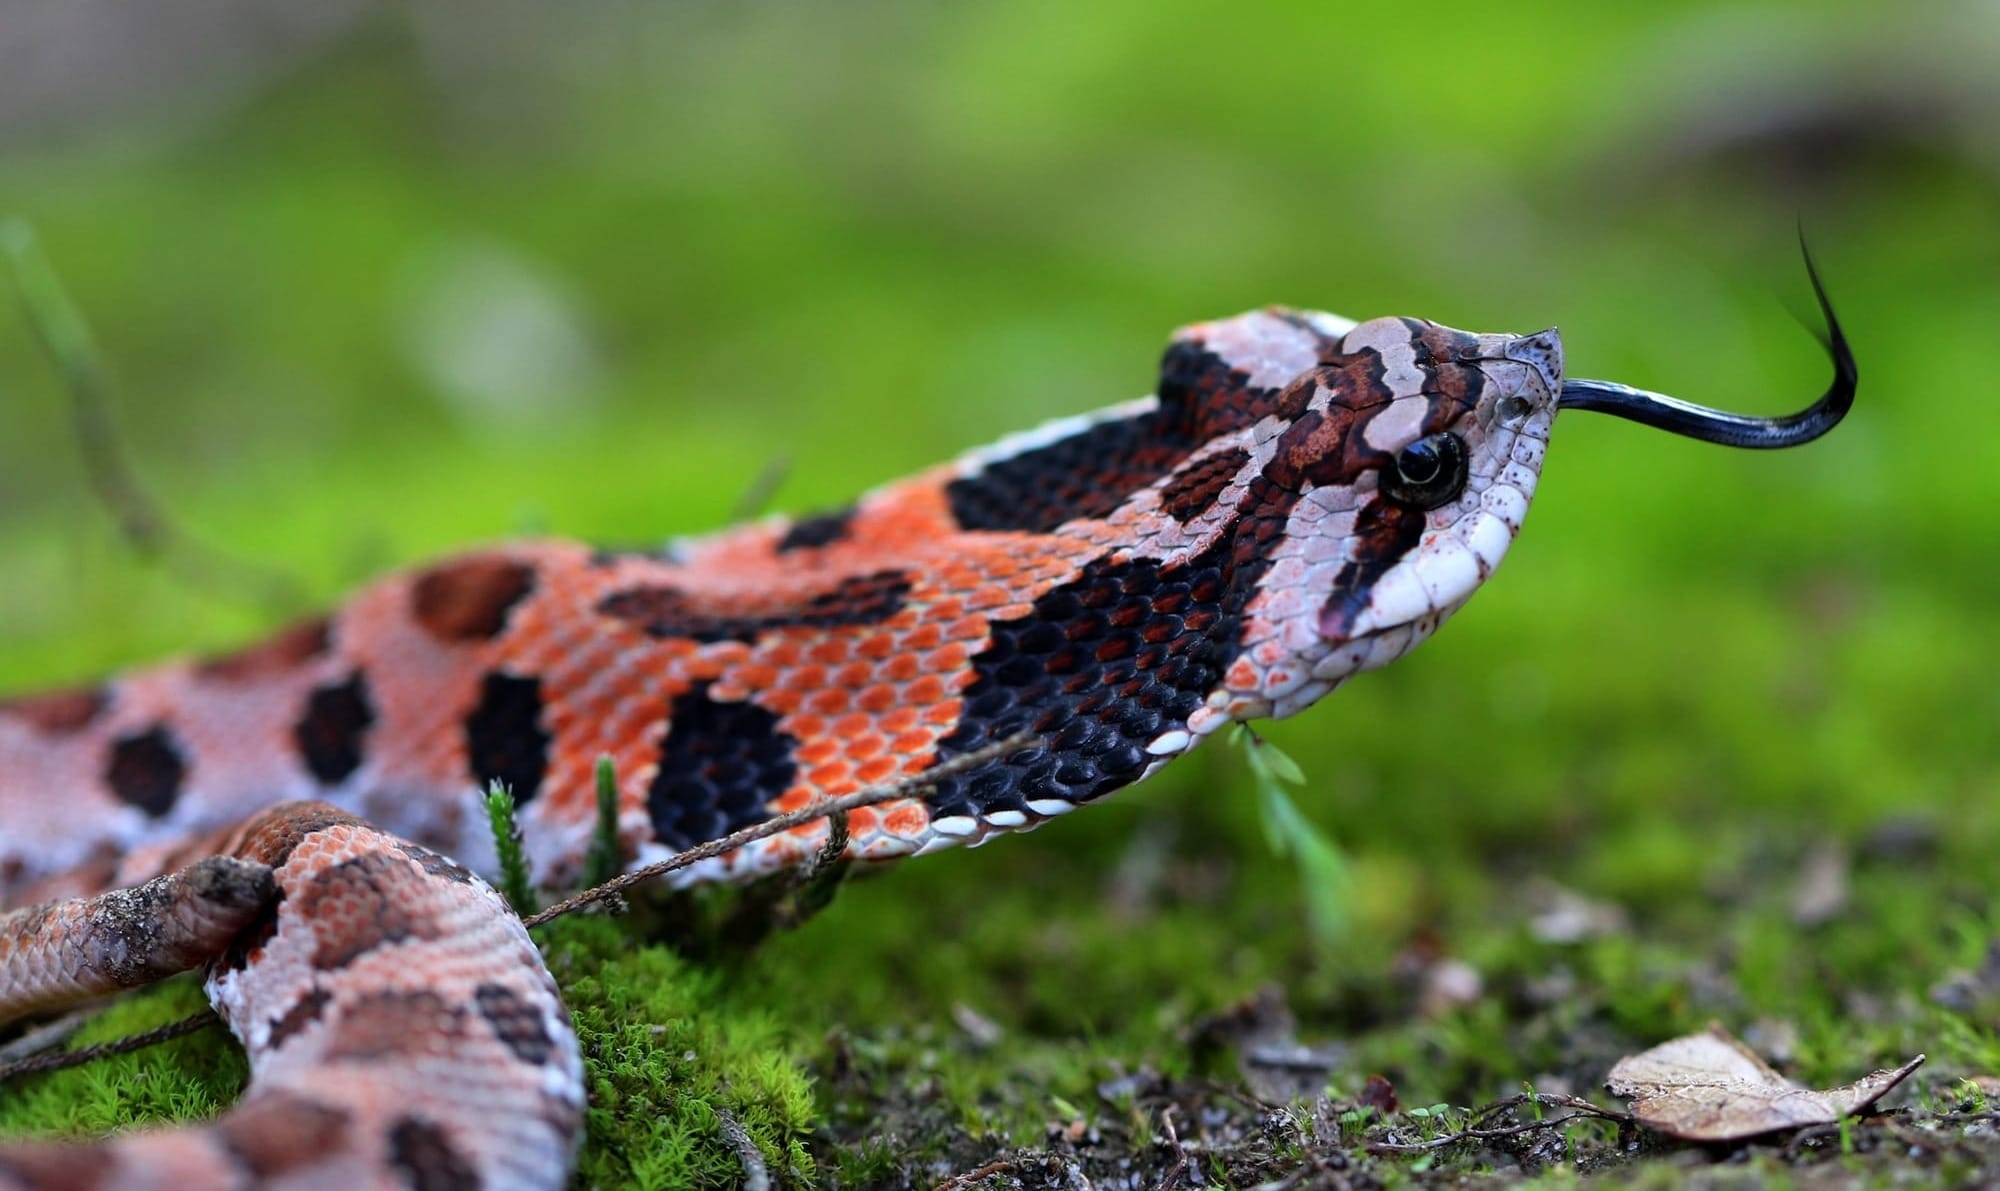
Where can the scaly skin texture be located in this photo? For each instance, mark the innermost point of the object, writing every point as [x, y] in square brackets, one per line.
[402, 1029]
[1121, 585]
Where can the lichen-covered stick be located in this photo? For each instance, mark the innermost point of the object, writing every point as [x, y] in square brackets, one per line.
[1304, 498]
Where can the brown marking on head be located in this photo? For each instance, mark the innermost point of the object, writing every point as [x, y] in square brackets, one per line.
[361, 904]
[385, 1023]
[1323, 447]
[1383, 532]
[273, 657]
[59, 713]
[145, 770]
[1355, 380]
[517, 1023]
[278, 1133]
[468, 599]
[427, 1158]
[1453, 380]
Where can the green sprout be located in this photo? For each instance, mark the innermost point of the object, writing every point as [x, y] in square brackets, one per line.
[514, 883]
[604, 860]
[1323, 875]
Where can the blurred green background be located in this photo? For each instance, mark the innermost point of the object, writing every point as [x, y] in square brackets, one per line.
[379, 281]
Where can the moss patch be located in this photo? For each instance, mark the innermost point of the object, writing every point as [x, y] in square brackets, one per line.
[188, 1079]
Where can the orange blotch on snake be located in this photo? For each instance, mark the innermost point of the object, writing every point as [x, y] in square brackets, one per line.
[915, 745]
[817, 750]
[926, 691]
[754, 675]
[806, 678]
[832, 701]
[875, 770]
[830, 652]
[907, 819]
[854, 729]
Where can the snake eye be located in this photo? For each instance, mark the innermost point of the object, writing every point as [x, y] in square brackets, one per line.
[1427, 473]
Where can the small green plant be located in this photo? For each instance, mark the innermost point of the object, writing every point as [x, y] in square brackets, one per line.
[1354, 1122]
[1323, 874]
[1971, 1097]
[604, 860]
[514, 883]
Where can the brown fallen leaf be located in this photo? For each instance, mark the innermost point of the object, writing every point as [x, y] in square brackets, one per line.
[1711, 1087]
[1379, 1094]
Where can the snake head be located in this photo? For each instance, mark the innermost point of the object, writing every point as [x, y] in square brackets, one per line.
[1396, 470]
[1400, 465]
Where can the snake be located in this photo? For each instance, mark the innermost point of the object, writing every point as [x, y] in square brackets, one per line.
[1302, 498]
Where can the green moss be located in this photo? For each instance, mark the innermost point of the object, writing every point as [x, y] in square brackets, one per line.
[666, 1050]
[187, 1079]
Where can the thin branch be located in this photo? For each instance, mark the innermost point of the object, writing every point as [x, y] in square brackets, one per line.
[59, 1060]
[1181, 1156]
[978, 1175]
[910, 787]
[756, 1176]
[48, 1035]
[1580, 1110]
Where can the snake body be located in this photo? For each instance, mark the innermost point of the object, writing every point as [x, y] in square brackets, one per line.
[1304, 498]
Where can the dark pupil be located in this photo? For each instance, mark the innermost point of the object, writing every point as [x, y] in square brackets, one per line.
[1419, 462]
[1427, 473]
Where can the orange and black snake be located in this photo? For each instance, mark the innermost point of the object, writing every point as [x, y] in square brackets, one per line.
[1304, 498]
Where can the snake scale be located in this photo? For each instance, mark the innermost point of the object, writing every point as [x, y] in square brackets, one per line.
[1304, 498]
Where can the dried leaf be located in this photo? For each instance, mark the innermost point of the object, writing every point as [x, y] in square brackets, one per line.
[1379, 1094]
[1711, 1087]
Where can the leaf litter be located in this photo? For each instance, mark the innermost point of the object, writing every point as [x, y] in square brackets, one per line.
[1711, 1087]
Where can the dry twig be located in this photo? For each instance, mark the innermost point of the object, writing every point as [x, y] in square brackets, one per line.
[911, 787]
[59, 1060]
